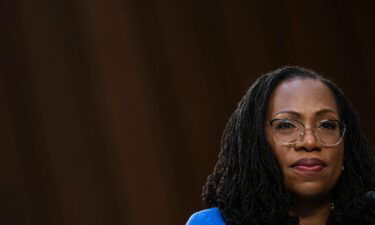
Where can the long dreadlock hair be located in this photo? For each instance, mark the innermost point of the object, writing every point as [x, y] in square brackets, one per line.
[247, 182]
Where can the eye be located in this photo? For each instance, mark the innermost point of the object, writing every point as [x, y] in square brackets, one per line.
[281, 125]
[328, 124]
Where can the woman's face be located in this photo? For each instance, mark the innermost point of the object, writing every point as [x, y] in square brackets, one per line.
[310, 169]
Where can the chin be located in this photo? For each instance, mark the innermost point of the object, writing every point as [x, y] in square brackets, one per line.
[309, 195]
[309, 191]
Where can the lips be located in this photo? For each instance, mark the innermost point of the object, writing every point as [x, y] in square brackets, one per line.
[309, 165]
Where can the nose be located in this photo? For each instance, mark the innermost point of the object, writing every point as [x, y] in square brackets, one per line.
[309, 142]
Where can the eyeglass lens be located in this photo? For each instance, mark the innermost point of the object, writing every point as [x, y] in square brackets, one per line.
[328, 132]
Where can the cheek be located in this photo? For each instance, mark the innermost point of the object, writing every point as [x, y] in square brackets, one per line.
[337, 162]
[282, 153]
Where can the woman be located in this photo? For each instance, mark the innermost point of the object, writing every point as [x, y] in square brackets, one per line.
[292, 153]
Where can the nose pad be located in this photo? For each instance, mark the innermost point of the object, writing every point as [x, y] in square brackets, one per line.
[309, 141]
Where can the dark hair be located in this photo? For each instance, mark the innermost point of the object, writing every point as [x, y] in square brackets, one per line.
[247, 183]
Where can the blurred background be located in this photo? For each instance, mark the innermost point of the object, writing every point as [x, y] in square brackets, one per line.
[112, 111]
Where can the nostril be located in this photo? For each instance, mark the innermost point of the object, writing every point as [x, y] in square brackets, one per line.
[309, 149]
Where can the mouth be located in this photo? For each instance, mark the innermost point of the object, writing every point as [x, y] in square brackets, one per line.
[309, 165]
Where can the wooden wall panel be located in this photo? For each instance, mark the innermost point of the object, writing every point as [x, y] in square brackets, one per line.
[112, 111]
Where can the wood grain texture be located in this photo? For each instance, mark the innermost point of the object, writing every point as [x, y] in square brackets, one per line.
[112, 111]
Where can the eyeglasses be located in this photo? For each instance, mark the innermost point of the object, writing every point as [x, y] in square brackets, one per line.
[329, 133]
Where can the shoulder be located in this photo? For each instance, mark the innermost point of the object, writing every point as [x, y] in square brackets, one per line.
[210, 216]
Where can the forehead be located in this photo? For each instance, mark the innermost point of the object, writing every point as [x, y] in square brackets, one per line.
[305, 96]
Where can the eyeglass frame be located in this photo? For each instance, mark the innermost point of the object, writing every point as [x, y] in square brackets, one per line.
[302, 133]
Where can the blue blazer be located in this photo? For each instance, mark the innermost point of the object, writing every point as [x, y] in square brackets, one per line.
[210, 216]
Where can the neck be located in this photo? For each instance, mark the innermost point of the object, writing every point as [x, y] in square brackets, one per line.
[312, 212]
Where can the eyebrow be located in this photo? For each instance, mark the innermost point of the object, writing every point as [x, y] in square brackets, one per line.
[320, 112]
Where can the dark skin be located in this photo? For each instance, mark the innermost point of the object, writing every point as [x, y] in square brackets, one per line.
[308, 101]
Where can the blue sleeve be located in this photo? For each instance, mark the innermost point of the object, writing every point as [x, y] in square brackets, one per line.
[210, 216]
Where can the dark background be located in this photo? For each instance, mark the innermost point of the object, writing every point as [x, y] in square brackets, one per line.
[112, 111]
